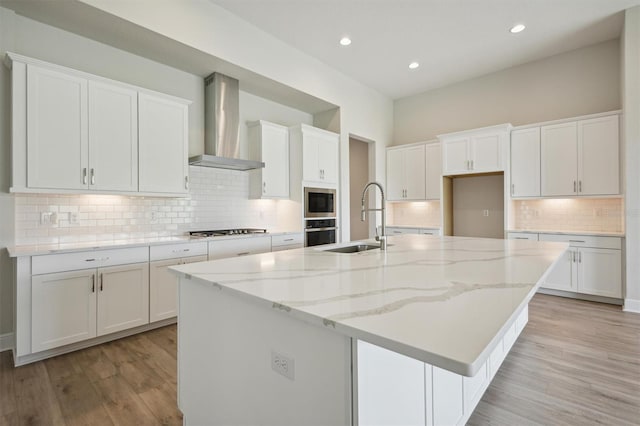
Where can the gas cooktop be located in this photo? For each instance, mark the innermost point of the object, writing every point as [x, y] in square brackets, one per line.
[223, 232]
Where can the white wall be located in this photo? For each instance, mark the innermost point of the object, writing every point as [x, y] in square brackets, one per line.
[631, 136]
[575, 83]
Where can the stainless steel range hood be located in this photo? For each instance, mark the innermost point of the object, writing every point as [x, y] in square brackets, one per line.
[221, 126]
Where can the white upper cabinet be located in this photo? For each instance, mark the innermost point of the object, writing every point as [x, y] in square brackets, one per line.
[74, 132]
[525, 163]
[319, 153]
[474, 151]
[581, 158]
[269, 143]
[598, 156]
[56, 129]
[433, 162]
[113, 137]
[163, 144]
[558, 159]
[406, 179]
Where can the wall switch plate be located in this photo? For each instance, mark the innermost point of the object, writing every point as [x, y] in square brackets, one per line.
[485, 213]
[73, 218]
[282, 364]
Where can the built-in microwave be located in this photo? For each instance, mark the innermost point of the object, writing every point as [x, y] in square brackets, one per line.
[319, 202]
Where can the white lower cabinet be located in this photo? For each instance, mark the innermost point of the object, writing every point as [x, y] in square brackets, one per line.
[163, 291]
[592, 265]
[123, 297]
[63, 309]
[287, 241]
[393, 389]
[69, 307]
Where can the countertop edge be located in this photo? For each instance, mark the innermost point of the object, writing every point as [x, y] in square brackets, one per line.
[586, 233]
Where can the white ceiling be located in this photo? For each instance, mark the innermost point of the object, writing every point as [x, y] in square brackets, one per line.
[453, 40]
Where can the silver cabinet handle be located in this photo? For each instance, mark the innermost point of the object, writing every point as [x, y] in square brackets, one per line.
[93, 176]
[89, 260]
[580, 256]
[180, 250]
[101, 281]
[186, 182]
[243, 254]
[264, 187]
[574, 186]
[84, 175]
[513, 187]
[93, 283]
[521, 238]
[573, 256]
[576, 241]
[289, 239]
[467, 164]
[579, 186]
[471, 164]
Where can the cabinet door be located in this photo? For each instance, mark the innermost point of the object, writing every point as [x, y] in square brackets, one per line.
[455, 158]
[415, 174]
[433, 173]
[395, 175]
[123, 297]
[163, 287]
[275, 155]
[600, 272]
[310, 164]
[56, 130]
[486, 154]
[559, 159]
[328, 159]
[525, 163]
[113, 137]
[598, 156]
[447, 397]
[163, 144]
[563, 275]
[63, 309]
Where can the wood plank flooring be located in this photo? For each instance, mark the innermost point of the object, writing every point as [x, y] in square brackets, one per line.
[576, 363]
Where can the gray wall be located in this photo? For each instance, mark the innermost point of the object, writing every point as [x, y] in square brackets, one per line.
[358, 178]
[473, 195]
[579, 82]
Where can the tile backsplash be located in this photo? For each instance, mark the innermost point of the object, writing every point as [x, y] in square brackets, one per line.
[571, 214]
[415, 213]
[218, 199]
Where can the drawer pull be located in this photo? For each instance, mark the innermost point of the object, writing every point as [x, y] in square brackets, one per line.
[101, 281]
[93, 283]
[576, 241]
[89, 260]
[521, 238]
[289, 239]
[243, 254]
[180, 250]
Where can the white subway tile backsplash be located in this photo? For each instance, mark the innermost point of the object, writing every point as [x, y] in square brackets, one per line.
[217, 199]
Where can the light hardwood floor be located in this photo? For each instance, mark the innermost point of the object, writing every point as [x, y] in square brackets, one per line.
[576, 363]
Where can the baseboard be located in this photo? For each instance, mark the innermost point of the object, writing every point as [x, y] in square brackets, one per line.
[631, 305]
[580, 296]
[6, 342]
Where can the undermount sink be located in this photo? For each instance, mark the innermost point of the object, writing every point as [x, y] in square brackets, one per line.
[356, 248]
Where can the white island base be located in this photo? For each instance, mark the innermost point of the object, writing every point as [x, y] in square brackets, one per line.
[335, 380]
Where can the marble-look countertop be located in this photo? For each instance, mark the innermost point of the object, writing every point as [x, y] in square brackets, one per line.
[41, 249]
[446, 301]
[555, 231]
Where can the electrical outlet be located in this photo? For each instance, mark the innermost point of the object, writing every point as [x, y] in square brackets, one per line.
[283, 365]
[45, 218]
[73, 218]
[485, 213]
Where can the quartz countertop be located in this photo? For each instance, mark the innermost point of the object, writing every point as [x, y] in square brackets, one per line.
[552, 231]
[41, 249]
[446, 301]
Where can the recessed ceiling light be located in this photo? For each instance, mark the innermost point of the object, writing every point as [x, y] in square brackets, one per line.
[345, 41]
[517, 28]
[413, 65]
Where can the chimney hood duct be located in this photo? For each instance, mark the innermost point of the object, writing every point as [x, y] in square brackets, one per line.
[221, 126]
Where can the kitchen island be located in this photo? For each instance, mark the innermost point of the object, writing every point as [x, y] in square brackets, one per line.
[412, 335]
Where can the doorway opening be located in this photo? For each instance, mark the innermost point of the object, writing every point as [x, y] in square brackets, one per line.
[361, 171]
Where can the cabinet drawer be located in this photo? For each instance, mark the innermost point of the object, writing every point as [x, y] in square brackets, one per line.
[87, 259]
[286, 240]
[522, 236]
[398, 231]
[172, 251]
[576, 240]
[239, 247]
